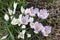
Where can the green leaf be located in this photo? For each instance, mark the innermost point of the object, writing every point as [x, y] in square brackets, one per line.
[11, 35]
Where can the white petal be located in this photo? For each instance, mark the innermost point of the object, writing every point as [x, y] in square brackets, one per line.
[28, 35]
[6, 17]
[19, 22]
[14, 11]
[15, 5]
[23, 26]
[23, 31]
[27, 11]
[22, 9]
[21, 35]
[10, 11]
[4, 37]
[31, 19]
[20, 16]
[31, 25]
[11, 17]
[14, 21]
[36, 32]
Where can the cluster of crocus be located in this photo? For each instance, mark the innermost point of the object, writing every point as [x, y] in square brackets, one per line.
[27, 17]
[39, 27]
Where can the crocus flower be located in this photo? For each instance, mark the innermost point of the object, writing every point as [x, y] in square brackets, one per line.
[25, 20]
[23, 26]
[31, 19]
[28, 35]
[31, 25]
[15, 5]
[37, 27]
[6, 17]
[27, 11]
[21, 34]
[22, 9]
[43, 14]
[10, 11]
[32, 12]
[46, 30]
[14, 21]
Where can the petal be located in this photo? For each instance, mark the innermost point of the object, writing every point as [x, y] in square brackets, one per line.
[15, 5]
[21, 35]
[14, 21]
[31, 19]
[36, 10]
[10, 11]
[23, 31]
[28, 35]
[31, 25]
[4, 37]
[27, 11]
[48, 29]
[22, 9]
[44, 34]
[36, 32]
[6, 17]
[23, 26]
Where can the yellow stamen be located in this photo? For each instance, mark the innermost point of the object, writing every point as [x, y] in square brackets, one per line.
[47, 33]
[42, 14]
[31, 12]
[38, 27]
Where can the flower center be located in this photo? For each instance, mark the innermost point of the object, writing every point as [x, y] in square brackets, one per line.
[31, 12]
[38, 27]
[47, 33]
[42, 14]
[24, 20]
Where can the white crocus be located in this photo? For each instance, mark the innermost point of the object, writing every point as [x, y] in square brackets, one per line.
[28, 35]
[19, 20]
[21, 34]
[4, 37]
[6, 17]
[23, 31]
[23, 26]
[10, 11]
[14, 21]
[27, 11]
[31, 25]
[31, 19]
[22, 9]
[15, 5]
